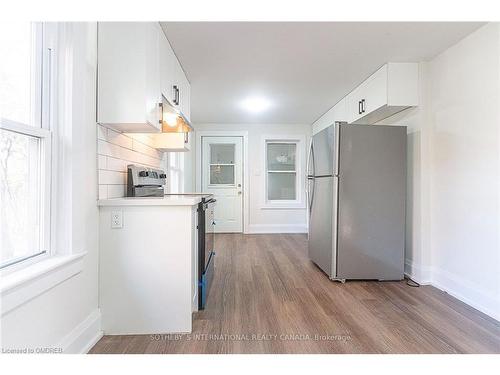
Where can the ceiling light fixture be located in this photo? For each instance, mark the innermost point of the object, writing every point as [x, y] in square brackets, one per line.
[255, 104]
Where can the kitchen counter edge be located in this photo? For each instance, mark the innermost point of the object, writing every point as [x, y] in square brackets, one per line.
[149, 201]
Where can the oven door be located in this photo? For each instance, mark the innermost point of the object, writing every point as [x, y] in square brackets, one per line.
[207, 254]
[209, 228]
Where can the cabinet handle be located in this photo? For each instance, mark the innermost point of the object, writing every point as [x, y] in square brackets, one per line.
[360, 111]
[186, 137]
[363, 106]
[176, 94]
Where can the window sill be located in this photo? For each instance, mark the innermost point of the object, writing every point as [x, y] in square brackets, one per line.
[21, 286]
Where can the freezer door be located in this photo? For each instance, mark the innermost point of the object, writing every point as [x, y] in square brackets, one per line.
[323, 154]
[321, 221]
[372, 190]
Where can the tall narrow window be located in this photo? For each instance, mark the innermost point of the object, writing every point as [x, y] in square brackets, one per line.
[175, 172]
[24, 144]
[281, 171]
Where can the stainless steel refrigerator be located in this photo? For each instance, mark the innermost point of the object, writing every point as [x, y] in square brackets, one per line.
[356, 189]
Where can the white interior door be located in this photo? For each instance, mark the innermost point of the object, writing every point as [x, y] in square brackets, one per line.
[222, 176]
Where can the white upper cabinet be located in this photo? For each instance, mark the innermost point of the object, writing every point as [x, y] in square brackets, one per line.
[337, 113]
[174, 85]
[389, 90]
[167, 68]
[129, 76]
[136, 66]
[185, 96]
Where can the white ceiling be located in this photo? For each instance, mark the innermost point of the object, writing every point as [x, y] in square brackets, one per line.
[302, 68]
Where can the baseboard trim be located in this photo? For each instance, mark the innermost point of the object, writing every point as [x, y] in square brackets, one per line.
[84, 336]
[418, 273]
[467, 293]
[454, 286]
[276, 228]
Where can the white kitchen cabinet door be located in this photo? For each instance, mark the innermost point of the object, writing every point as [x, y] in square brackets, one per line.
[354, 104]
[129, 76]
[167, 68]
[389, 90]
[185, 97]
[374, 92]
[178, 78]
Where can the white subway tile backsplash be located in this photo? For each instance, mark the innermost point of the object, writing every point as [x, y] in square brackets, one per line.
[142, 148]
[107, 149]
[103, 191]
[112, 178]
[119, 139]
[114, 164]
[116, 191]
[101, 162]
[115, 151]
[101, 132]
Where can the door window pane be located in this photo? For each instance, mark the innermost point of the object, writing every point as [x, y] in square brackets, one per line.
[222, 174]
[221, 153]
[19, 196]
[281, 186]
[281, 156]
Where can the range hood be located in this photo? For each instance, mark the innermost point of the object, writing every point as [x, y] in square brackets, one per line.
[175, 129]
[172, 119]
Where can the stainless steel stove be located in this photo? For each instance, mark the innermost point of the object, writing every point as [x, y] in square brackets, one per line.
[145, 182]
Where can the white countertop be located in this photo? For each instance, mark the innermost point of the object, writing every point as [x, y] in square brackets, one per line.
[174, 200]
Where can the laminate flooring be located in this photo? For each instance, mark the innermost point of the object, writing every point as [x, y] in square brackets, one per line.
[267, 297]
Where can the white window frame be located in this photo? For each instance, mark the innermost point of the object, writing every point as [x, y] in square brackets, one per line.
[299, 202]
[41, 129]
[26, 280]
[175, 169]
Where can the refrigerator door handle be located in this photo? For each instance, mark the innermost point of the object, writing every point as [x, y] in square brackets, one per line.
[310, 194]
[310, 160]
[336, 151]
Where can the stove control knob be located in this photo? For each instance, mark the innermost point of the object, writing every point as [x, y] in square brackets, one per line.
[163, 175]
[143, 174]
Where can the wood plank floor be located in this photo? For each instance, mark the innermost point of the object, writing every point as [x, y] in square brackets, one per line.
[267, 297]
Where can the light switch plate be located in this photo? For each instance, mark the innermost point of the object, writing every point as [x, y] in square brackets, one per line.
[116, 219]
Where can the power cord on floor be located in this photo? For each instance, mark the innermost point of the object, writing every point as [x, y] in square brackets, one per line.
[412, 283]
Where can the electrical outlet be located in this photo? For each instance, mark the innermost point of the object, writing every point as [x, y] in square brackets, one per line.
[116, 219]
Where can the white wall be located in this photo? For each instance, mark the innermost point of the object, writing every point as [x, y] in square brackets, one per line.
[55, 318]
[454, 151]
[465, 97]
[266, 220]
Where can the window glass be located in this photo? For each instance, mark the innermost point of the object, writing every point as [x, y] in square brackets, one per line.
[19, 91]
[221, 153]
[281, 156]
[19, 196]
[21, 145]
[281, 171]
[222, 174]
[281, 186]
